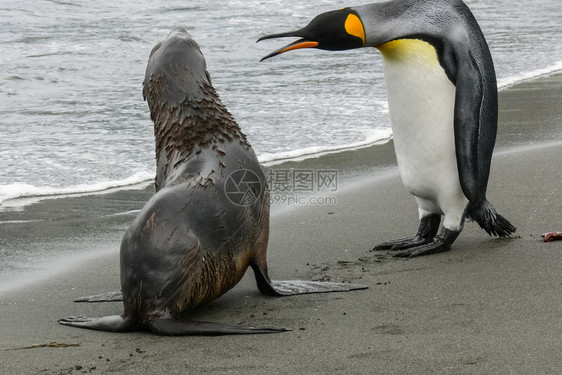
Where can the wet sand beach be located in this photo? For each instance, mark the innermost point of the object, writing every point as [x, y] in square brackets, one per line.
[488, 306]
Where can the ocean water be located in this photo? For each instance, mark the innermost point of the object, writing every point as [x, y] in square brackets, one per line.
[72, 116]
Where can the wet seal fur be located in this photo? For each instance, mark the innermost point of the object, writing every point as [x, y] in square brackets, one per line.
[190, 243]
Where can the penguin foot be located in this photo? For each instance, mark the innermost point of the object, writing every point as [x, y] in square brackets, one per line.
[440, 244]
[429, 225]
[403, 243]
[437, 246]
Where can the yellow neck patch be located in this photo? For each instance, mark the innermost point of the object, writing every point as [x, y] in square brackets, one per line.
[354, 26]
[407, 49]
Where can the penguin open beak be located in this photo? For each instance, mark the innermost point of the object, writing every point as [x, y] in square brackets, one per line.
[301, 43]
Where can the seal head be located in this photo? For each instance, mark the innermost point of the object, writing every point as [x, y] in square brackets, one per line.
[187, 112]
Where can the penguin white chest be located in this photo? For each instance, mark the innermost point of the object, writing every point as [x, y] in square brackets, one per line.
[421, 101]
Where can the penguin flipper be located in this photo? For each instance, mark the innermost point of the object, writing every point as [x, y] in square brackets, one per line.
[475, 127]
[468, 121]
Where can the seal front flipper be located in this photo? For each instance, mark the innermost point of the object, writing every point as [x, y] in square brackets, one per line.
[175, 327]
[110, 323]
[166, 326]
[104, 297]
[293, 287]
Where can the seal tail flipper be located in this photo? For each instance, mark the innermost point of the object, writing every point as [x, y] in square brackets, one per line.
[293, 287]
[111, 323]
[104, 297]
[174, 327]
[488, 218]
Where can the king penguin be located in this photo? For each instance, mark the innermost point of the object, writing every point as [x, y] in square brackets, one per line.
[442, 97]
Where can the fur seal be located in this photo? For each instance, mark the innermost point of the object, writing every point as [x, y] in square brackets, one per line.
[442, 98]
[193, 241]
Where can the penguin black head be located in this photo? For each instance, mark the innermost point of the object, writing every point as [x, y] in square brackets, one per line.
[335, 31]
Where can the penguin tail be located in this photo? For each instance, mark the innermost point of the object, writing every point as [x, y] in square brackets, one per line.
[490, 220]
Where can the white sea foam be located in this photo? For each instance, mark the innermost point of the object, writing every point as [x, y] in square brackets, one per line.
[510, 81]
[372, 137]
[19, 194]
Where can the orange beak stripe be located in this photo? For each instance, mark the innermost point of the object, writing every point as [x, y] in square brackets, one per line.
[300, 45]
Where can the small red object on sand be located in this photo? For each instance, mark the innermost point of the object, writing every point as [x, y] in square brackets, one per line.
[551, 236]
